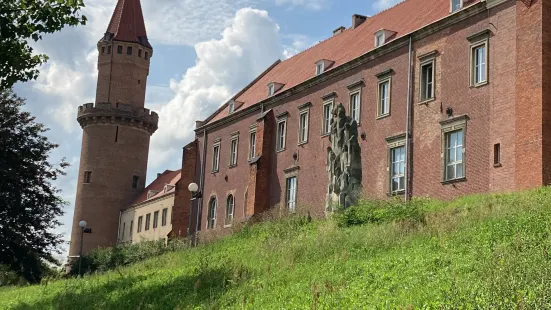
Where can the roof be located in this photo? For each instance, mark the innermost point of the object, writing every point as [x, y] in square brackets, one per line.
[403, 18]
[167, 177]
[127, 23]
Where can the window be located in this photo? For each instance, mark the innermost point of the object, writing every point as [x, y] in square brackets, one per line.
[379, 39]
[479, 59]
[109, 49]
[216, 157]
[281, 132]
[383, 100]
[427, 80]
[87, 176]
[140, 53]
[155, 219]
[252, 144]
[119, 49]
[135, 180]
[147, 221]
[456, 5]
[233, 152]
[129, 50]
[140, 221]
[320, 67]
[103, 49]
[291, 194]
[211, 216]
[123, 230]
[163, 219]
[131, 228]
[355, 106]
[146, 55]
[303, 127]
[271, 89]
[454, 155]
[327, 113]
[229, 210]
[497, 155]
[231, 107]
[397, 169]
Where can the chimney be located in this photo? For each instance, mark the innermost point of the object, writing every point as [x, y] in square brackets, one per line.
[358, 20]
[158, 175]
[338, 30]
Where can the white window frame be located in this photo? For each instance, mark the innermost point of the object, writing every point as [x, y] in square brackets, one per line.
[401, 161]
[216, 157]
[211, 213]
[379, 38]
[388, 98]
[252, 143]
[230, 210]
[231, 107]
[452, 126]
[234, 147]
[271, 89]
[422, 83]
[164, 217]
[291, 193]
[281, 137]
[456, 2]
[458, 148]
[355, 113]
[303, 128]
[474, 65]
[326, 117]
[320, 67]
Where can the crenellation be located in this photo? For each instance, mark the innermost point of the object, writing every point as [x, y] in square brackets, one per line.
[117, 113]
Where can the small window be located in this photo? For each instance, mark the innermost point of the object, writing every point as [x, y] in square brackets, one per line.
[303, 127]
[119, 49]
[281, 133]
[479, 60]
[147, 221]
[109, 49]
[129, 50]
[216, 158]
[291, 194]
[229, 210]
[131, 228]
[252, 144]
[140, 222]
[135, 180]
[231, 107]
[211, 216]
[327, 114]
[271, 89]
[454, 155]
[140, 53]
[497, 155]
[379, 39]
[383, 100]
[397, 169]
[87, 176]
[155, 219]
[427, 81]
[233, 152]
[456, 5]
[123, 231]
[146, 55]
[355, 106]
[164, 216]
[103, 50]
[320, 66]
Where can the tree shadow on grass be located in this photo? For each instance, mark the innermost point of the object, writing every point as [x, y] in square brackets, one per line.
[130, 292]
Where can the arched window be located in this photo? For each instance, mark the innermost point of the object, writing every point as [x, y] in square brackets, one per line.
[229, 210]
[211, 216]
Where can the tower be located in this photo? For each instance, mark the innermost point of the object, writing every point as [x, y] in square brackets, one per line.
[116, 130]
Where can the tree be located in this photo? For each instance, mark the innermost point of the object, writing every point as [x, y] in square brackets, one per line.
[25, 20]
[29, 202]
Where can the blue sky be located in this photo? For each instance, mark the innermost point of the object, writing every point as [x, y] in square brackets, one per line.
[204, 51]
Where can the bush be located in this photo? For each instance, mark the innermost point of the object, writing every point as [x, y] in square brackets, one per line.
[382, 211]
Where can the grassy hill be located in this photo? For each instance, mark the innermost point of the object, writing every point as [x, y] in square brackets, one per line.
[483, 251]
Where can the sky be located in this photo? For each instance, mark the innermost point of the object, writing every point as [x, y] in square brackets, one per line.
[204, 52]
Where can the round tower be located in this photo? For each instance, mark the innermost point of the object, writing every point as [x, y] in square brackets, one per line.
[116, 130]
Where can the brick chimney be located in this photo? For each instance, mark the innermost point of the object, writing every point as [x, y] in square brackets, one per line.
[358, 20]
[338, 30]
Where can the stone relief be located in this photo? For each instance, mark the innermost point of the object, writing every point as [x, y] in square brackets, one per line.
[344, 161]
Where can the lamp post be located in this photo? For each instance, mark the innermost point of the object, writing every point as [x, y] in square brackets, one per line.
[195, 193]
[83, 230]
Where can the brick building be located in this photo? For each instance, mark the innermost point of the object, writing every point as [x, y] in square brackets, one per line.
[450, 96]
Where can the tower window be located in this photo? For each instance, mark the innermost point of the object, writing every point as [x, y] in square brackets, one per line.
[103, 49]
[119, 49]
[497, 155]
[129, 50]
[139, 81]
[117, 134]
[139, 53]
[146, 55]
[135, 180]
[109, 49]
[87, 176]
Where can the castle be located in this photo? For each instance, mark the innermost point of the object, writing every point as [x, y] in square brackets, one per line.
[440, 98]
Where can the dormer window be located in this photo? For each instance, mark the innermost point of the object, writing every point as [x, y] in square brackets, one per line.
[383, 36]
[271, 89]
[231, 107]
[456, 5]
[151, 193]
[319, 67]
[323, 65]
[167, 188]
[379, 39]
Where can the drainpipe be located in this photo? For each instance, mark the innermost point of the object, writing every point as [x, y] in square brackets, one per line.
[407, 192]
[201, 185]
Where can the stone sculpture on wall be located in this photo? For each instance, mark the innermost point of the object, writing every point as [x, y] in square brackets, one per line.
[344, 161]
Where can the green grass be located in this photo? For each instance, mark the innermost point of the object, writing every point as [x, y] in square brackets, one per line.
[482, 251]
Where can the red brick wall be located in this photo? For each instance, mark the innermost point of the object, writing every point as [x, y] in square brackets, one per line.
[182, 198]
[546, 89]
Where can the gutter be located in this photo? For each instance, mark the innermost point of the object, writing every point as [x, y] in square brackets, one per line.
[407, 171]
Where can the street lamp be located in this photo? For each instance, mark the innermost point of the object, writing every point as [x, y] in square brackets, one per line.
[83, 230]
[195, 194]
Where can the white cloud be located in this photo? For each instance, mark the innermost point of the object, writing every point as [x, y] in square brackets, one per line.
[309, 4]
[299, 44]
[380, 5]
[247, 47]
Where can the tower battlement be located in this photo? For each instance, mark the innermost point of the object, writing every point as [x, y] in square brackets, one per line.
[117, 113]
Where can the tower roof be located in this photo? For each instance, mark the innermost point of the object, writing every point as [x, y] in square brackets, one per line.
[127, 23]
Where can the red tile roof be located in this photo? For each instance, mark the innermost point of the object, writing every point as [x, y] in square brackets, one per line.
[403, 18]
[167, 177]
[127, 23]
